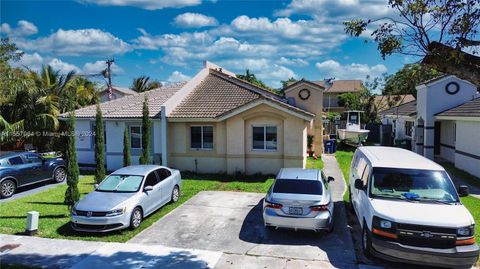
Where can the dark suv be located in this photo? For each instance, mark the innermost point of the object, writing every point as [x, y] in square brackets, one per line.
[20, 169]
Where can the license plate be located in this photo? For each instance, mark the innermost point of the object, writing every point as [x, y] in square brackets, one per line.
[295, 211]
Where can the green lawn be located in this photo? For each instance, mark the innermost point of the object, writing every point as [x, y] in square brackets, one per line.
[54, 216]
[344, 158]
[312, 163]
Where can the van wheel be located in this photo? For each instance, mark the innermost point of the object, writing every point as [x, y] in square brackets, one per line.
[136, 218]
[366, 241]
[8, 188]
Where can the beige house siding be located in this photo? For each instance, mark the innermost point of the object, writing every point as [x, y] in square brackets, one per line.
[313, 104]
[232, 138]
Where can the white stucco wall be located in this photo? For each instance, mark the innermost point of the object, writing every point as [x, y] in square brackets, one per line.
[114, 147]
[468, 137]
[447, 140]
[432, 99]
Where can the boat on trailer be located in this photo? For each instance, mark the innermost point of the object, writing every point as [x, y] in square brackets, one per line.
[353, 134]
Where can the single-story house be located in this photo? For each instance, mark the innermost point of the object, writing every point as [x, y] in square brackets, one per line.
[444, 121]
[117, 92]
[214, 123]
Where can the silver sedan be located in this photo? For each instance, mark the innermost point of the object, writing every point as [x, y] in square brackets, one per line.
[125, 197]
[299, 199]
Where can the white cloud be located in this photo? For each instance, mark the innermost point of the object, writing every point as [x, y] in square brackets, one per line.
[76, 42]
[24, 28]
[35, 62]
[331, 68]
[99, 66]
[177, 76]
[194, 20]
[62, 66]
[336, 9]
[293, 62]
[146, 4]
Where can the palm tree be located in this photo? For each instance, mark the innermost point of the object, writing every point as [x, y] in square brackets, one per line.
[142, 84]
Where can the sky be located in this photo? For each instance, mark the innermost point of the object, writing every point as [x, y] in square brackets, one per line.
[168, 40]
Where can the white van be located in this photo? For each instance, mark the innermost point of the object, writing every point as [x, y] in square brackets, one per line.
[409, 209]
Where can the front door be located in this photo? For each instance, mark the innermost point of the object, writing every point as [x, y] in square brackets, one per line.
[436, 138]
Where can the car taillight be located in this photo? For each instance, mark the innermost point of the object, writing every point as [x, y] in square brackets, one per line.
[319, 207]
[273, 205]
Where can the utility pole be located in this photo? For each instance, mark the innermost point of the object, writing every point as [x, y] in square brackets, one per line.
[108, 75]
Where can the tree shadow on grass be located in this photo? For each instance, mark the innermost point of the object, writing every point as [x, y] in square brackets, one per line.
[47, 203]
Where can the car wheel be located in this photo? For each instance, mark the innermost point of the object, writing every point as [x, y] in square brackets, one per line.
[330, 227]
[59, 174]
[175, 194]
[366, 241]
[136, 218]
[8, 188]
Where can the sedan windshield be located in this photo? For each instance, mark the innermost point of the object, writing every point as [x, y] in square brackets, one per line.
[120, 183]
[412, 184]
[298, 186]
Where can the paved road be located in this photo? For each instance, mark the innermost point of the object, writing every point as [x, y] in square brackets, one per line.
[58, 253]
[231, 222]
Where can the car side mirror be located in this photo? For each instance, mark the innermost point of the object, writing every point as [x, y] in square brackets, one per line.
[358, 184]
[95, 186]
[148, 188]
[329, 179]
[463, 191]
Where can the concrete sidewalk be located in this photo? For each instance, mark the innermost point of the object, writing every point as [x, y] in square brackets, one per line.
[59, 253]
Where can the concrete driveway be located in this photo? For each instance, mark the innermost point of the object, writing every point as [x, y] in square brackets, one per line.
[231, 222]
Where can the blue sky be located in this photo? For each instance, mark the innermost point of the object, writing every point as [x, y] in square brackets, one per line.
[168, 40]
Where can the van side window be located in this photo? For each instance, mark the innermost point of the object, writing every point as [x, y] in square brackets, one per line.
[360, 168]
[366, 174]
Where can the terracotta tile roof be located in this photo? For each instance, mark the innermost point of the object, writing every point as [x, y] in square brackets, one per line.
[341, 86]
[468, 109]
[383, 101]
[130, 106]
[407, 109]
[219, 94]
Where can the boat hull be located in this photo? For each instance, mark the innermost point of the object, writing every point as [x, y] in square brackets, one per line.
[356, 137]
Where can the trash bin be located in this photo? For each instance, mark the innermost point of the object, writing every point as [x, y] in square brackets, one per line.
[329, 146]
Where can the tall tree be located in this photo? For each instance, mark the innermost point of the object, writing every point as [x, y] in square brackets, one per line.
[287, 82]
[127, 159]
[435, 30]
[99, 147]
[72, 194]
[250, 77]
[143, 84]
[146, 125]
[406, 79]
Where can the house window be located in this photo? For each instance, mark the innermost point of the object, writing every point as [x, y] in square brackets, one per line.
[201, 137]
[136, 137]
[408, 128]
[264, 137]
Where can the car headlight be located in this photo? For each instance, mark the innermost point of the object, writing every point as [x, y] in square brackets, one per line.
[115, 212]
[466, 231]
[384, 224]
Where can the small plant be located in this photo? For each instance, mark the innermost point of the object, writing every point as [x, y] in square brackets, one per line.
[127, 159]
[310, 145]
[99, 147]
[146, 125]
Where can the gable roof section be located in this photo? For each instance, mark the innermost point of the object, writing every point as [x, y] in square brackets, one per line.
[123, 90]
[220, 94]
[408, 109]
[383, 101]
[290, 86]
[468, 109]
[341, 86]
[130, 106]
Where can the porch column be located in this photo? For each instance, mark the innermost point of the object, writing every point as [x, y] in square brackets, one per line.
[163, 135]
